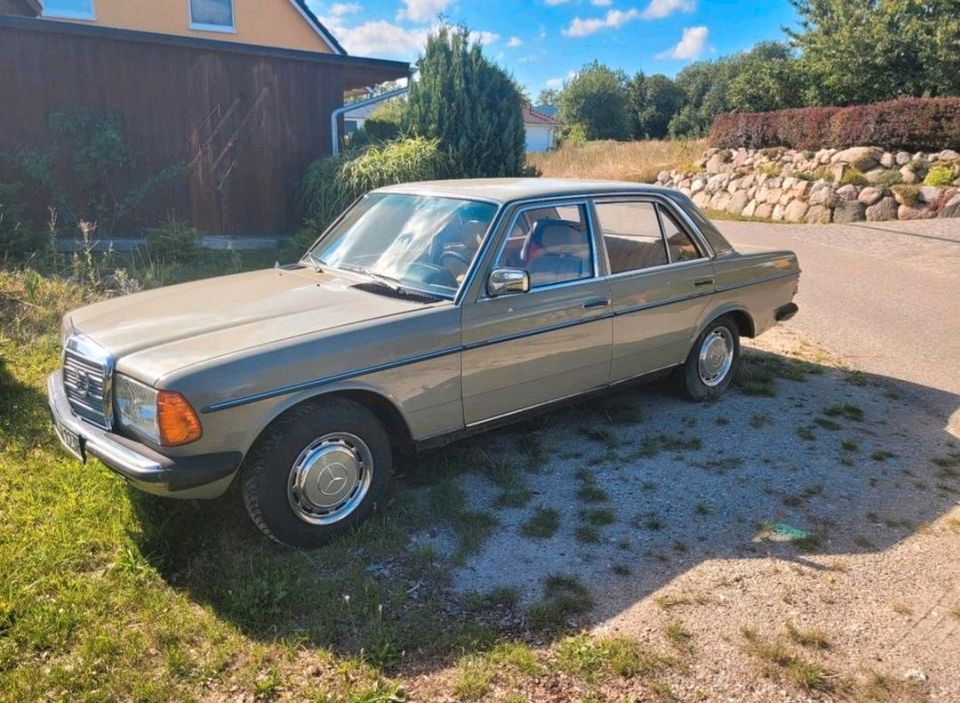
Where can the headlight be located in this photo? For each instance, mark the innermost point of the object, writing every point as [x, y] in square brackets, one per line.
[162, 417]
[136, 406]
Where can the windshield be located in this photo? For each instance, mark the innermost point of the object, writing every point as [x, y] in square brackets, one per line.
[424, 243]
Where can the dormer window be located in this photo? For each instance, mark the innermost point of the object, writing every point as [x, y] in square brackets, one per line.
[69, 9]
[212, 15]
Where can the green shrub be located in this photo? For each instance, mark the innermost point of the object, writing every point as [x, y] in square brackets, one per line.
[888, 179]
[384, 124]
[174, 242]
[333, 183]
[854, 177]
[939, 175]
[908, 195]
[577, 135]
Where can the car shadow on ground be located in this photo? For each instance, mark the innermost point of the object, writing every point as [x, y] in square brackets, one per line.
[577, 516]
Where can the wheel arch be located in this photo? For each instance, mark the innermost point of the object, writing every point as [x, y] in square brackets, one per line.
[382, 407]
[744, 321]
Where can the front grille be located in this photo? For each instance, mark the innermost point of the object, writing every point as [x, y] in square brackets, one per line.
[87, 380]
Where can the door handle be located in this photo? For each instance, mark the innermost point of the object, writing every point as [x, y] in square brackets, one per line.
[703, 282]
[596, 304]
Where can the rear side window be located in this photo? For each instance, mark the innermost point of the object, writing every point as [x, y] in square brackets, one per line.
[632, 236]
[681, 246]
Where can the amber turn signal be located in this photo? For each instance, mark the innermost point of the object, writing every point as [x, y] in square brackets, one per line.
[176, 419]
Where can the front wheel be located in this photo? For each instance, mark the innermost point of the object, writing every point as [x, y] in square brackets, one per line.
[712, 362]
[318, 470]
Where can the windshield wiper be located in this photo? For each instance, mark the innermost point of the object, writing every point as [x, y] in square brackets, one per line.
[393, 284]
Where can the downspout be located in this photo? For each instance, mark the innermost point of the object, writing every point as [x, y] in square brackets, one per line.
[335, 115]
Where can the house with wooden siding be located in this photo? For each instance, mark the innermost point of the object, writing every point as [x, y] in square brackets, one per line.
[238, 95]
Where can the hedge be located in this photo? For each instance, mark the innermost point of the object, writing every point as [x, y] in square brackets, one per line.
[916, 124]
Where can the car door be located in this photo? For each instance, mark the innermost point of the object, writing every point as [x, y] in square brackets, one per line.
[529, 348]
[661, 279]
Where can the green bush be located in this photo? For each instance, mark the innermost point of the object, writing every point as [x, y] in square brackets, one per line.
[939, 175]
[333, 183]
[384, 124]
[577, 135]
[888, 179]
[854, 177]
[469, 104]
[174, 242]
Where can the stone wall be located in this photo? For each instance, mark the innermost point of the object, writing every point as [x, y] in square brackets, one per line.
[830, 185]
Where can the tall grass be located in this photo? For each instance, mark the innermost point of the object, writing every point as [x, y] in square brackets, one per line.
[639, 162]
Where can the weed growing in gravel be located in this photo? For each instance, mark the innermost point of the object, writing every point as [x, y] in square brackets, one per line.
[806, 433]
[621, 569]
[814, 639]
[806, 674]
[543, 524]
[473, 682]
[882, 455]
[850, 445]
[587, 658]
[598, 517]
[758, 420]
[590, 493]
[722, 421]
[587, 534]
[667, 601]
[678, 636]
[902, 609]
[501, 597]
[448, 501]
[828, 424]
[703, 509]
[513, 498]
[564, 597]
[848, 411]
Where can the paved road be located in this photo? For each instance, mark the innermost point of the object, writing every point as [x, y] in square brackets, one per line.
[883, 296]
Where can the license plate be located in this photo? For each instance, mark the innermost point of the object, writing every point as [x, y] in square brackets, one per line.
[71, 440]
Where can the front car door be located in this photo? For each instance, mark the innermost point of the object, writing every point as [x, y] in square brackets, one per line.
[522, 350]
[661, 279]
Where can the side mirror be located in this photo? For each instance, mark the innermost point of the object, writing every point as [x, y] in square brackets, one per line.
[503, 281]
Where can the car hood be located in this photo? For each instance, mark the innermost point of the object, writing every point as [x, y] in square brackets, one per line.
[152, 333]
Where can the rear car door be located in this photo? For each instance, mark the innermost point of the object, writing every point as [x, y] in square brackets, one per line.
[661, 278]
[522, 350]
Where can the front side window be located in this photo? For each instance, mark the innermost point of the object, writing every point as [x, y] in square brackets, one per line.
[424, 243]
[211, 14]
[552, 244]
[632, 236]
[69, 9]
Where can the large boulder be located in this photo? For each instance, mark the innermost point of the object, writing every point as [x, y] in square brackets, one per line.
[930, 194]
[870, 195]
[750, 209]
[848, 211]
[737, 203]
[763, 211]
[862, 158]
[796, 211]
[952, 207]
[883, 210]
[701, 199]
[848, 192]
[822, 193]
[908, 212]
[909, 175]
[902, 158]
[818, 215]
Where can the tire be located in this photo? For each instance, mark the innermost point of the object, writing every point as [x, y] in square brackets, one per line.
[316, 472]
[720, 344]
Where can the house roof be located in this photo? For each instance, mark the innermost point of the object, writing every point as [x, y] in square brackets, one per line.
[315, 22]
[531, 116]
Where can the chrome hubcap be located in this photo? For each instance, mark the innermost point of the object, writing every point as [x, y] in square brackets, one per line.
[716, 356]
[330, 478]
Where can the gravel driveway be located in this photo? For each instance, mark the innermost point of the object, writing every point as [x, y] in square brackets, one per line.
[820, 496]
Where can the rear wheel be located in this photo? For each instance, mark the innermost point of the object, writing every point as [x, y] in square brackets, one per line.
[318, 470]
[712, 362]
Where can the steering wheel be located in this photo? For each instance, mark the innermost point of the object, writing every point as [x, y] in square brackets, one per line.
[432, 274]
[455, 255]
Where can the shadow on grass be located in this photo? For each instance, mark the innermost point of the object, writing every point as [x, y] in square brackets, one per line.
[802, 462]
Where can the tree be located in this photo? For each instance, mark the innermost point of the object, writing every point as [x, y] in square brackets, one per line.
[654, 100]
[596, 99]
[471, 105]
[548, 96]
[871, 50]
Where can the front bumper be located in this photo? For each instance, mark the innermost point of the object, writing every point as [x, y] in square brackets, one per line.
[203, 476]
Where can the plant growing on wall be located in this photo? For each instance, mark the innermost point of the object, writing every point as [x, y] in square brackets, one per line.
[87, 176]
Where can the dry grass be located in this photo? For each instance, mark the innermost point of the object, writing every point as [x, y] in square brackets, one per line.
[619, 161]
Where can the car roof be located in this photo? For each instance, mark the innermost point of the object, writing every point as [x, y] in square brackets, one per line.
[505, 190]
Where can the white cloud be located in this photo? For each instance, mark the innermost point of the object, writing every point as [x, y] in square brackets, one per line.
[515, 42]
[485, 38]
[613, 20]
[341, 9]
[555, 83]
[690, 46]
[551, 3]
[601, 3]
[423, 10]
[663, 8]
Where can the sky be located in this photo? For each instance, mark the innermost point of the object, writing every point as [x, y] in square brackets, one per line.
[544, 42]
